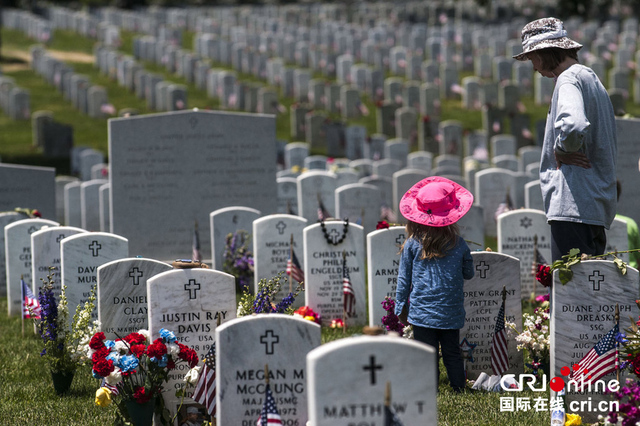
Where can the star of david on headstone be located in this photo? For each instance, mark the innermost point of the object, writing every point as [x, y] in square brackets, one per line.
[372, 367]
[135, 274]
[94, 247]
[281, 226]
[334, 235]
[400, 239]
[193, 122]
[60, 237]
[526, 222]
[192, 287]
[482, 267]
[596, 278]
[269, 340]
[32, 229]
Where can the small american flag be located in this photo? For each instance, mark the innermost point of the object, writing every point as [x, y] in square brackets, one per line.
[114, 389]
[505, 206]
[599, 361]
[387, 213]
[540, 260]
[195, 246]
[323, 214]
[269, 414]
[347, 289]
[205, 392]
[30, 304]
[499, 352]
[293, 267]
[390, 418]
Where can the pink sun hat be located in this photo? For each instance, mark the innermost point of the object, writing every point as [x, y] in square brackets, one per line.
[436, 201]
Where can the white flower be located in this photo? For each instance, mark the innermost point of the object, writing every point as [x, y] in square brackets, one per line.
[192, 375]
[146, 334]
[115, 377]
[121, 347]
[173, 349]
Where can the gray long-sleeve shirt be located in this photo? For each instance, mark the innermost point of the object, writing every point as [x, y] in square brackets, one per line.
[581, 118]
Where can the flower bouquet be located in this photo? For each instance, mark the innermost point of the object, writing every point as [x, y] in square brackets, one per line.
[263, 301]
[64, 345]
[133, 371]
[307, 313]
[535, 336]
[392, 322]
[238, 259]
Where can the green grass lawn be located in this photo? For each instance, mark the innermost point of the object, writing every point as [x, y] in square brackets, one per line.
[27, 396]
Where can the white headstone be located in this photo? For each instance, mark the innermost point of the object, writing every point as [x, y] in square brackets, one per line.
[323, 271]
[482, 301]
[519, 232]
[272, 236]
[227, 221]
[189, 302]
[245, 345]
[383, 258]
[360, 203]
[45, 254]
[5, 219]
[17, 250]
[316, 187]
[583, 311]
[121, 300]
[80, 257]
[90, 203]
[365, 365]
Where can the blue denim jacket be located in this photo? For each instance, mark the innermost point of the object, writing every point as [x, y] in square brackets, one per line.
[434, 287]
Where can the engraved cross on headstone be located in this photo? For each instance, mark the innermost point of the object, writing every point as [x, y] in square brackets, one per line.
[482, 267]
[135, 274]
[281, 226]
[94, 247]
[60, 237]
[596, 279]
[372, 367]
[192, 287]
[334, 235]
[400, 239]
[268, 340]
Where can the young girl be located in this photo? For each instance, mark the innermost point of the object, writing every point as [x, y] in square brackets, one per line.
[435, 262]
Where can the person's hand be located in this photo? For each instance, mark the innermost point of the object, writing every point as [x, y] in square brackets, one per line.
[572, 159]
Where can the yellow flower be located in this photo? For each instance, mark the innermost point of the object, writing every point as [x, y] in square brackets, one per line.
[573, 420]
[103, 397]
[310, 318]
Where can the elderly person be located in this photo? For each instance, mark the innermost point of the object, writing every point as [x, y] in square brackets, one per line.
[578, 163]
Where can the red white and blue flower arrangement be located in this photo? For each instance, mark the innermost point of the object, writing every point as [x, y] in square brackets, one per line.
[134, 370]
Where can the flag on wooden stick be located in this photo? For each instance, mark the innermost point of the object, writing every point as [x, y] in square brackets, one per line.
[205, 392]
[30, 304]
[599, 361]
[269, 416]
[347, 288]
[293, 267]
[499, 351]
[195, 246]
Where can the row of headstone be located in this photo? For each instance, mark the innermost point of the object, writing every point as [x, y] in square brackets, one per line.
[15, 101]
[89, 99]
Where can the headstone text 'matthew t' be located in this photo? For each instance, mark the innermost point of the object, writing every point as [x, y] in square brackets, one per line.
[169, 170]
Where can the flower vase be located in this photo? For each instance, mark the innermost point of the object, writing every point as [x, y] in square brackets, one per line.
[62, 381]
[140, 414]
